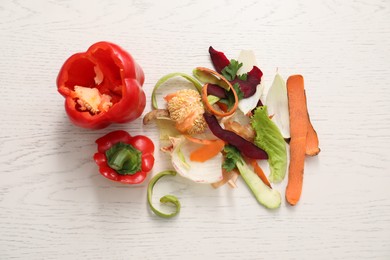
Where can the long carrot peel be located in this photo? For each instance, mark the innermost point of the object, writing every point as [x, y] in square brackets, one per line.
[260, 173]
[207, 151]
[312, 143]
[298, 132]
[198, 140]
[212, 77]
[214, 111]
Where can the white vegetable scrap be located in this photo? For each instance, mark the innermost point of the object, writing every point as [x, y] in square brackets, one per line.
[277, 105]
[248, 60]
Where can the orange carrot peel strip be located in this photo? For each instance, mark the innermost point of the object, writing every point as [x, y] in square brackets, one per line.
[260, 172]
[211, 76]
[214, 111]
[207, 151]
[298, 132]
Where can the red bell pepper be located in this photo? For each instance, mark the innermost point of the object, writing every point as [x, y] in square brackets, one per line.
[102, 86]
[124, 158]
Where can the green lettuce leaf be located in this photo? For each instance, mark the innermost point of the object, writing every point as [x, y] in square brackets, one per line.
[269, 138]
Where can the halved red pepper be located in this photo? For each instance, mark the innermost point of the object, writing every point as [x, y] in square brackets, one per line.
[102, 86]
[124, 158]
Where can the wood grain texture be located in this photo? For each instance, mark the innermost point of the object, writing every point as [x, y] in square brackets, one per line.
[55, 205]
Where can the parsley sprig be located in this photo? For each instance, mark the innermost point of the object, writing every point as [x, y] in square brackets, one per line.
[232, 156]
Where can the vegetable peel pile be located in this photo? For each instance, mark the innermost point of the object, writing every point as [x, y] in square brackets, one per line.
[226, 124]
[218, 131]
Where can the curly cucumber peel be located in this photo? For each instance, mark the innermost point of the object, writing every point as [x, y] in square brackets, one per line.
[167, 199]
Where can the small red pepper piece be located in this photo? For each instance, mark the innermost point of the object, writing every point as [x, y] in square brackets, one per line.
[102, 86]
[112, 148]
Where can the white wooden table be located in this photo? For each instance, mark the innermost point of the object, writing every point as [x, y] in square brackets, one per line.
[55, 205]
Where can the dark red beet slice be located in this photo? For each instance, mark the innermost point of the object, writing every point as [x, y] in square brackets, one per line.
[249, 86]
[245, 147]
[218, 59]
[216, 90]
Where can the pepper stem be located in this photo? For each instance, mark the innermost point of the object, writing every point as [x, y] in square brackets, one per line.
[124, 158]
[120, 158]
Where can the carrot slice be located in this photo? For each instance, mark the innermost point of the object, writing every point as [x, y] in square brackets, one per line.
[260, 173]
[298, 132]
[222, 106]
[170, 96]
[207, 151]
[186, 123]
[312, 143]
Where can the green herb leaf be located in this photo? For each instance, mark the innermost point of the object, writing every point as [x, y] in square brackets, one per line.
[229, 101]
[243, 76]
[230, 71]
[232, 156]
[237, 88]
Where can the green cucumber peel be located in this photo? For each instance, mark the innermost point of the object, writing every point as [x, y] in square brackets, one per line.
[164, 79]
[266, 196]
[212, 99]
[269, 138]
[208, 77]
[269, 198]
[167, 199]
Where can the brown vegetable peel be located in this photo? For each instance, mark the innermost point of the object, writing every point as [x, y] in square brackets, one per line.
[312, 143]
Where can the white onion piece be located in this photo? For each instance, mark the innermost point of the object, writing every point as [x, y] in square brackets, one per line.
[209, 171]
[247, 104]
[248, 60]
[277, 104]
